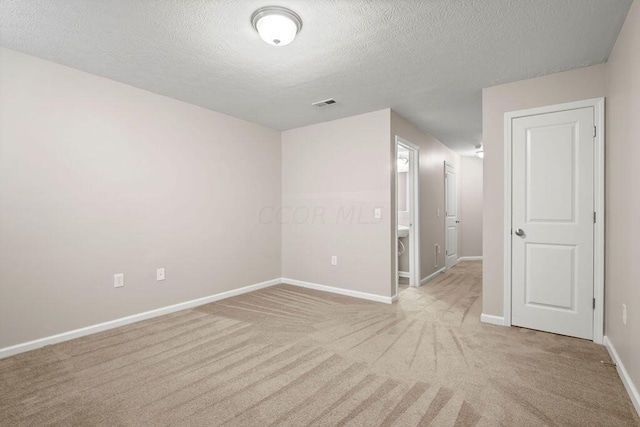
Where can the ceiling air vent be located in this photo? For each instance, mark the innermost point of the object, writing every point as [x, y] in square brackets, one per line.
[324, 103]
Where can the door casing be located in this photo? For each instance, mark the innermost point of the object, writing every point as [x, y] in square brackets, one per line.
[599, 201]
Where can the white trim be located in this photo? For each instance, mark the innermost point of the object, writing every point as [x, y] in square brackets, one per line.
[394, 211]
[100, 327]
[492, 320]
[598, 232]
[404, 274]
[624, 375]
[506, 311]
[599, 204]
[432, 276]
[470, 258]
[340, 291]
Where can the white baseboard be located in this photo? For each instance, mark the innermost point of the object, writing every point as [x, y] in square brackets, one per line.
[432, 276]
[341, 291]
[624, 375]
[404, 274]
[470, 258]
[491, 319]
[77, 333]
[100, 327]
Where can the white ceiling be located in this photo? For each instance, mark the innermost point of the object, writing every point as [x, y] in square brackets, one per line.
[427, 59]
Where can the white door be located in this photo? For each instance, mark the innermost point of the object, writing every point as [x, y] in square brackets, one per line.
[553, 220]
[451, 216]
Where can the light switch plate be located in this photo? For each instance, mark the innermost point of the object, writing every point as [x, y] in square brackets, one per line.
[118, 280]
[160, 275]
[377, 213]
[334, 260]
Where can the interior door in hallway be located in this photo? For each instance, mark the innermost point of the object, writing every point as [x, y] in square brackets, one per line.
[451, 216]
[553, 222]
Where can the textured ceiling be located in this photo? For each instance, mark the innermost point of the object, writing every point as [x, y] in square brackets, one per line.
[427, 59]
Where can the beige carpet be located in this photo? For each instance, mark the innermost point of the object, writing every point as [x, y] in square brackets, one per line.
[291, 356]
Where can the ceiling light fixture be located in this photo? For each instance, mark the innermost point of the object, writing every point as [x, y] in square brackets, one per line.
[276, 25]
[480, 151]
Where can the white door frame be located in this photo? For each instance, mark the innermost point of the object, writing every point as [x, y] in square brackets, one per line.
[414, 231]
[446, 238]
[598, 186]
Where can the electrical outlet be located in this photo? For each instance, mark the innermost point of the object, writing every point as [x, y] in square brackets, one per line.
[334, 260]
[160, 274]
[118, 280]
[624, 314]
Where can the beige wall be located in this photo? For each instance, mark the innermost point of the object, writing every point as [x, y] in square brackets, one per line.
[575, 85]
[433, 154]
[470, 206]
[622, 196]
[98, 178]
[333, 176]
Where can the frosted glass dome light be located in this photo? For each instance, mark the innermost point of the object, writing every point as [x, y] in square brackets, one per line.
[276, 25]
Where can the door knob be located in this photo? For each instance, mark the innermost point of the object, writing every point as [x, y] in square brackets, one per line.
[519, 232]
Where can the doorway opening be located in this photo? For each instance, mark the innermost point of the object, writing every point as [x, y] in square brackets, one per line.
[407, 224]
